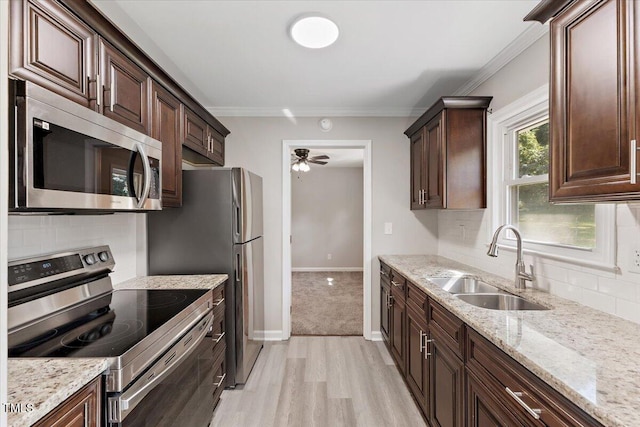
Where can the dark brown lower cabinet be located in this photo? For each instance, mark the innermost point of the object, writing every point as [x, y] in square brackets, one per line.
[483, 410]
[385, 311]
[81, 409]
[417, 374]
[397, 333]
[446, 374]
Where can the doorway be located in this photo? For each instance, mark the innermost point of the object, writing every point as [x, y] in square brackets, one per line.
[340, 282]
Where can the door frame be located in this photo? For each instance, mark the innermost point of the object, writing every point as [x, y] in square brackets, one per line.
[287, 147]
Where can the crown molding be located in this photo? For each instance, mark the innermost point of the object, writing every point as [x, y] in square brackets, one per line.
[532, 34]
[313, 112]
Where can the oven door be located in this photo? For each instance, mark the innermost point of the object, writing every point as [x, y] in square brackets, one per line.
[69, 157]
[176, 391]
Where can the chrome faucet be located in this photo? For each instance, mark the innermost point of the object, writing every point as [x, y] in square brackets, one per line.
[521, 274]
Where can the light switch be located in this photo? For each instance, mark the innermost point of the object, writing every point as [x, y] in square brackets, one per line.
[388, 228]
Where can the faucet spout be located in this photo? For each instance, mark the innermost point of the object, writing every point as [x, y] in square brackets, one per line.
[521, 275]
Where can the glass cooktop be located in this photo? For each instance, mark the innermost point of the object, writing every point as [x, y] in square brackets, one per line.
[128, 316]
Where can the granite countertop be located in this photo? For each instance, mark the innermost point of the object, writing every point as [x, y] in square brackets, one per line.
[203, 281]
[589, 356]
[43, 384]
[46, 383]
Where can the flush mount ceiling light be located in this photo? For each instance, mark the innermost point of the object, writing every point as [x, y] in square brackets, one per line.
[314, 31]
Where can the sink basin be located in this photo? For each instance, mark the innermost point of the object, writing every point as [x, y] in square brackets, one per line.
[464, 285]
[500, 302]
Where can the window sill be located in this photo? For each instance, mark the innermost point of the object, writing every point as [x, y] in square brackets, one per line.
[599, 265]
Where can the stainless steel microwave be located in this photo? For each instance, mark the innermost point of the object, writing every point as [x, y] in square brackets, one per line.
[68, 158]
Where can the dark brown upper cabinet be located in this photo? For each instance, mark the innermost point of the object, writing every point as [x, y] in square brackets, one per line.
[166, 126]
[448, 154]
[125, 89]
[53, 49]
[594, 99]
[201, 137]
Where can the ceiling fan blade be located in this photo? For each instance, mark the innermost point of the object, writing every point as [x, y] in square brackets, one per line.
[322, 157]
[318, 162]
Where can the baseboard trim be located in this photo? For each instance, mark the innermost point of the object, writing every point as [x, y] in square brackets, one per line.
[268, 335]
[376, 336]
[325, 269]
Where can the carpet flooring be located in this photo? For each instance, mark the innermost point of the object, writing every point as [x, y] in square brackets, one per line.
[326, 307]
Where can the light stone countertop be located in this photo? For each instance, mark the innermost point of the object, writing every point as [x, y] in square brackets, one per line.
[591, 357]
[46, 383]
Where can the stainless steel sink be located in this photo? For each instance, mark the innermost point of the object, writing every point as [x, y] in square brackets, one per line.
[464, 285]
[500, 302]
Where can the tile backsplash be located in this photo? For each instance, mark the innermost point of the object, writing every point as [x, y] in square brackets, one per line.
[464, 236]
[124, 233]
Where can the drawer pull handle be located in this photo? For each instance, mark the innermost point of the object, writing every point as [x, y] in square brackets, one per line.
[396, 284]
[384, 273]
[535, 413]
[389, 301]
[427, 353]
[423, 344]
[633, 170]
[218, 384]
[219, 337]
[217, 303]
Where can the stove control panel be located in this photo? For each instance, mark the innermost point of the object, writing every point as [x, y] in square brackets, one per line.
[37, 270]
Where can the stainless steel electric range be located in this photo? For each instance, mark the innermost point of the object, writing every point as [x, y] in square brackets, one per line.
[160, 358]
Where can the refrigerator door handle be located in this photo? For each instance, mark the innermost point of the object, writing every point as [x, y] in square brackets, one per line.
[237, 267]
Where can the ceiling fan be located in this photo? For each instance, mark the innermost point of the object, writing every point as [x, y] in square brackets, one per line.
[301, 160]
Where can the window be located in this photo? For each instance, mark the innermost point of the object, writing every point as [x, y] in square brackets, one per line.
[582, 233]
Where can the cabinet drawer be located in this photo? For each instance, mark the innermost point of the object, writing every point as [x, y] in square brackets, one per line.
[398, 285]
[518, 389]
[218, 295]
[417, 300]
[449, 328]
[218, 329]
[219, 375]
[385, 274]
[83, 408]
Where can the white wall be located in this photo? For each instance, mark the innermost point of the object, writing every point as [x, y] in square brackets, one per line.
[327, 218]
[256, 144]
[615, 293]
[124, 233]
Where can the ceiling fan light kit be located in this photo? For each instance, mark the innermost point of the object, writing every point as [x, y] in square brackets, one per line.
[301, 161]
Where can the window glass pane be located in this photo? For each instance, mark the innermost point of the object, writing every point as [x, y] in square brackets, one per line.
[540, 221]
[533, 150]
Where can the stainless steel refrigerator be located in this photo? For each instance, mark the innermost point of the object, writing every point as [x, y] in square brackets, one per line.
[218, 229]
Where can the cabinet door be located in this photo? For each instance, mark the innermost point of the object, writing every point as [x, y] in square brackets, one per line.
[196, 133]
[435, 168]
[417, 362]
[216, 146]
[418, 170]
[385, 308]
[483, 410]
[165, 127]
[125, 89]
[446, 385]
[52, 48]
[590, 98]
[81, 409]
[397, 332]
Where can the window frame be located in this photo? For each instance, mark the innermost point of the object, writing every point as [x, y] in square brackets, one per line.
[528, 110]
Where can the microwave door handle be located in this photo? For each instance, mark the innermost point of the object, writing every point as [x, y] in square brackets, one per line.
[146, 164]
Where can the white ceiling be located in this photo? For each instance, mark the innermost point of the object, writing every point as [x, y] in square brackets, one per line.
[392, 57]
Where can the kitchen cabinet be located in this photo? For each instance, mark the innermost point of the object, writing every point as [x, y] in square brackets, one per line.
[446, 388]
[594, 99]
[448, 155]
[125, 89]
[166, 126]
[218, 335]
[81, 409]
[417, 374]
[385, 303]
[483, 409]
[53, 49]
[203, 138]
[398, 327]
[507, 385]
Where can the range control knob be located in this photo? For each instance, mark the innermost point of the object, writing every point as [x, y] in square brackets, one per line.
[104, 256]
[90, 259]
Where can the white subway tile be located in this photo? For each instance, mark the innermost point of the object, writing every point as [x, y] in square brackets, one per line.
[618, 289]
[599, 301]
[628, 310]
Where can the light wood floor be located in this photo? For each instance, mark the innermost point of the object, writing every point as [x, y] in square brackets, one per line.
[320, 381]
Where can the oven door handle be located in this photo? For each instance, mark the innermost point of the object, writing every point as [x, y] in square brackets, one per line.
[120, 407]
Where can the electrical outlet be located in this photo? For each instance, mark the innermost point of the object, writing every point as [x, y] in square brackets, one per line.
[329, 256]
[634, 262]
